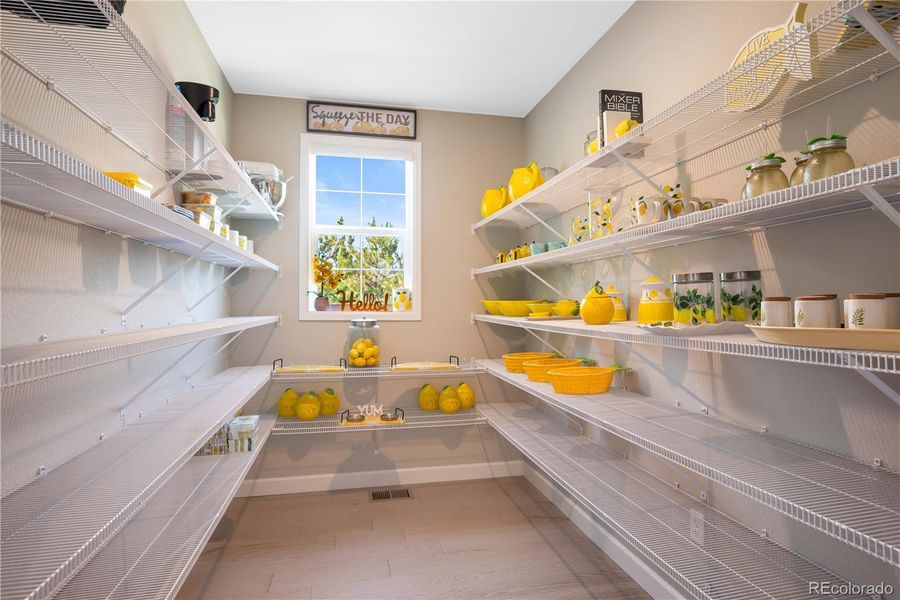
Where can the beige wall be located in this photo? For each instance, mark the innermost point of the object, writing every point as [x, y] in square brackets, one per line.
[65, 281]
[674, 48]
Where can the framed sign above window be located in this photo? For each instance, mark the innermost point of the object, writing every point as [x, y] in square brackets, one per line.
[353, 119]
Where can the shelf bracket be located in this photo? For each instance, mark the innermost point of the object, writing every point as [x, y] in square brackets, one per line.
[544, 342]
[639, 261]
[637, 171]
[161, 374]
[238, 205]
[880, 203]
[878, 32]
[217, 286]
[162, 281]
[879, 384]
[667, 376]
[541, 221]
[214, 355]
[178, 177]
[541, 279]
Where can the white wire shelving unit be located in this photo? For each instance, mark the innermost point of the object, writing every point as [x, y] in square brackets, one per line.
[823, 57]
[40, 177]
[831, 196]
[462, 369]
[152, 555]
[53, 526]
[739, 344]
[414, 418]
[101, 68]
[854, 503]
[707, 554]
[27, 364]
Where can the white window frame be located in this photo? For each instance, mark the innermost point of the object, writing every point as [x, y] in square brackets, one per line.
[341, 145]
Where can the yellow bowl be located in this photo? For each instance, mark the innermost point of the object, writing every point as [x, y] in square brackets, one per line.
[539, 370]
[540, 307]
[514, 308]
[565, 308]
[540, 315]
[581, 380]
[491, 307]
[515, 361]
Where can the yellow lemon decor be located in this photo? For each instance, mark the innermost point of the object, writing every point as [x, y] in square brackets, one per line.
[493, 200]
[597, 308]
[331, 404]
[428, 397]
[466, 396]
[625, 126]
[363, 353]
[287, 403]
[523, 180]
[308, 406]
[448, 401]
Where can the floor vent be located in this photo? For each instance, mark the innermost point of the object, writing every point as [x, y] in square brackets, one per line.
[390, 494]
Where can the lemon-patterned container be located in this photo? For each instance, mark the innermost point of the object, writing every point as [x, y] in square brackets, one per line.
[741, 295]
[695, 303]
[402, 299]
[656, 301]
[362, 349]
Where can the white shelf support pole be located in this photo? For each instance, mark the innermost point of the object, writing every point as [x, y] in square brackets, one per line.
[880, 203]
[541, 221]
[161, 374]
[544, 342]
[639, 261]
[541, 279]
[238, 205]
[880, 385]
[162, 281]
[214, 355]
[636, 171]
[217, 286]
[178, 177]
[878, 32]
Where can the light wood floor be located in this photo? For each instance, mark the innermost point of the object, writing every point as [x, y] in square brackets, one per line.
[490, 538]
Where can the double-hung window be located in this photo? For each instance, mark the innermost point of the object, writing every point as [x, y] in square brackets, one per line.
[362, 205]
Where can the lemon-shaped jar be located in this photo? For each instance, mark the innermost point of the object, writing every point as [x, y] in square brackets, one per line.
[827, 158]
[765, 176]
[597, 308]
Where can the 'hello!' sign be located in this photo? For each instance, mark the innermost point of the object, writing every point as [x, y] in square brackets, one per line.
[360, 120]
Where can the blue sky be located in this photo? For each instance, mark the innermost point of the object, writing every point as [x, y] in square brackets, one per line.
[342, 190]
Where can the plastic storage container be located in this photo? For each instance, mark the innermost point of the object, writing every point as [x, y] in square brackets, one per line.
[131, 180]
[362, 349]
[741, 295]
[695, 302]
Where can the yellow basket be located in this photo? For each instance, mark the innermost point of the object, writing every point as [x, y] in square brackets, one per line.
[581, 380]
[515, 362]
[538, 370]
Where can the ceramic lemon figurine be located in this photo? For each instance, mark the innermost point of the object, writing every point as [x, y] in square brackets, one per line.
[523, 180]
[493, 200]
[597, 308]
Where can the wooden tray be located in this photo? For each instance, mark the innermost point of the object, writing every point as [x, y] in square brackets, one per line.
[875, 340]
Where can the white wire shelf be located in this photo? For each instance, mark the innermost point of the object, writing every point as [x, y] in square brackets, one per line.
[463, 369]
[26, 364]
[709, 555]
[834, 495]
[102, 69]
[152, 555]
[414, 418]
[827, 197]
[40, 177]
[52, 527]
[825, 56]
[731, 344]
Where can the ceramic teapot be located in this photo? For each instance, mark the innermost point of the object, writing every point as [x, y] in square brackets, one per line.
[597, 308]
[523, 180]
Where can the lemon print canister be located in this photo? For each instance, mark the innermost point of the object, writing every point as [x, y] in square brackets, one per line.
[402, 300]
[695, 302]
[656, 301]
[617, 295]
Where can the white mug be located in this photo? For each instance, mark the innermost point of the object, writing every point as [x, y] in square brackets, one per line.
[647, 210]
[776, 312]
[866, 311]
[814, 311]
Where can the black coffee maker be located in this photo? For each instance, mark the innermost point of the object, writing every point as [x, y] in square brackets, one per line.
[203, 98]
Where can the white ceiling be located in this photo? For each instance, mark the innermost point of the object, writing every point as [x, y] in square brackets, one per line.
[497, 58]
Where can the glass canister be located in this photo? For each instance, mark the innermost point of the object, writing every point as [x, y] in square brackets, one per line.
[799, 167]
[591, 144]
[827, 157]
[362, 349]
[741, 295]
[695, 303]
[765, 176]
